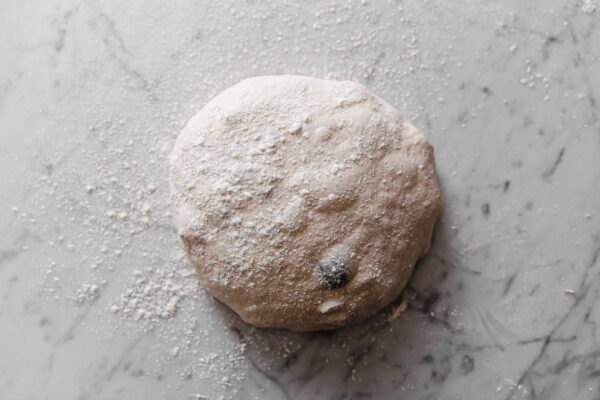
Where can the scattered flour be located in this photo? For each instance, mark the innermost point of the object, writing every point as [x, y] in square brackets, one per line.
[587, 6]
[87, 292]
[155, 294]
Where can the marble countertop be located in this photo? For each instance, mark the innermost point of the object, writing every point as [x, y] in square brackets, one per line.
[97, 300]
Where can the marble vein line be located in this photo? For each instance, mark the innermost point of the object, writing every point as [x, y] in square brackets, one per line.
[121, 51]
[584, 289]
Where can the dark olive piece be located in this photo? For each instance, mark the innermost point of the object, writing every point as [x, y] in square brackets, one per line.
[333, 272]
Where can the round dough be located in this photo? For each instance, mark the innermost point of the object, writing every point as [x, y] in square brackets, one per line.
[303, 203]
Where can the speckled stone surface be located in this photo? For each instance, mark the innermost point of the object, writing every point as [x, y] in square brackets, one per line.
[97, 300]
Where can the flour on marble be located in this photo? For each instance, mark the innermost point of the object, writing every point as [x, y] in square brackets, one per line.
[87, 292]
[587, 6]
[155, 294]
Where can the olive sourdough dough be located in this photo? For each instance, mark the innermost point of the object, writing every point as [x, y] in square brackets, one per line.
[303, 203]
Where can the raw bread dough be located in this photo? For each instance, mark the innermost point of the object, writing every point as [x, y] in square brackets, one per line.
[303, 203]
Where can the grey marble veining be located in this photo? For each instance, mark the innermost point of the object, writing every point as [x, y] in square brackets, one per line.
[92, 95]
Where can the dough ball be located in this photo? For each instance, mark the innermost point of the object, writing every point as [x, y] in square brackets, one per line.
[303, 203]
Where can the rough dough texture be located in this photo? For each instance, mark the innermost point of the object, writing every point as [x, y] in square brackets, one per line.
[303, 203]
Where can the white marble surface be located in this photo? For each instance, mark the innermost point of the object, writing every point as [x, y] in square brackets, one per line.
[92, 95]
